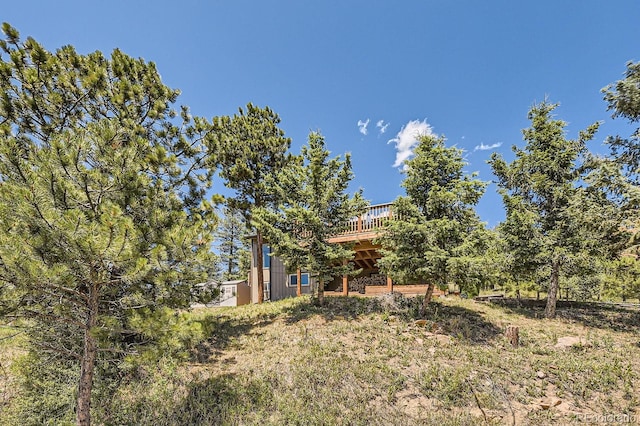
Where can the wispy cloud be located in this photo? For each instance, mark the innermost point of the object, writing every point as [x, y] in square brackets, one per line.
[382, 126]
[362, 126]
[407, 139]
[483, 147]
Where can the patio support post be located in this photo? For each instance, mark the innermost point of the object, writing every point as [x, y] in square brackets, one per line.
[345, 283]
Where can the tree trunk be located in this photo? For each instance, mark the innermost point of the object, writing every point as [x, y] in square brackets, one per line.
[427, 299]
[88, 362]
[320, 292]
[552, 295]
[299, 285]
[513, 335]
[260, 266]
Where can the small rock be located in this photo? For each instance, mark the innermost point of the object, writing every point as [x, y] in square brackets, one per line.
[547, 403]
[442, 339]
[569, 341]
[541, 375]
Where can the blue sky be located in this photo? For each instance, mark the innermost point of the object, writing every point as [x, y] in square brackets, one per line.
[469, 70]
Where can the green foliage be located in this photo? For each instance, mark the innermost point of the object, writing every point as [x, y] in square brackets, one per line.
[623, 98]
[102, 216]
[314, 206]
[233, 246]
[47, 392]
[621, 279]
[435, 236]
[251, 149]
[563, 205]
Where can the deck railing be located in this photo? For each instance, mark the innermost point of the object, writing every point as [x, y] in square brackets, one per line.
[373, 218]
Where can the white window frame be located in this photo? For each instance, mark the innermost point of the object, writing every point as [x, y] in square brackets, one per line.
[267, 291]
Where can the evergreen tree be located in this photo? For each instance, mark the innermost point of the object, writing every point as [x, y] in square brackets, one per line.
[623, 98]
[435, 235]
[250, 148]
[563, 205]
[621, 279]
[233, 245]
[315, 206]
[102, 221]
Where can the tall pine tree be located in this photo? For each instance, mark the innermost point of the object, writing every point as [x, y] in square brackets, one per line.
[563, 205]
[250, 148]
[315, 206]
[435, 231]
[233, 245]
[103, 225]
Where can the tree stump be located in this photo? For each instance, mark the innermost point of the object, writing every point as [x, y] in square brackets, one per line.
[513, 335]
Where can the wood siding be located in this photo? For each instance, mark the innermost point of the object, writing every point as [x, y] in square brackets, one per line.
[276, 277]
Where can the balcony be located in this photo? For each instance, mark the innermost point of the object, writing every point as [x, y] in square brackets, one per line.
[365, 226]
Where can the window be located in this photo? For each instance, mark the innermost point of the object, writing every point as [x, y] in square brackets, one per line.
[304, 279]
[267, 291]
[266, 258]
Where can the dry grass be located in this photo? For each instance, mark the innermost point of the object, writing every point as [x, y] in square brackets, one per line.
[366, 361]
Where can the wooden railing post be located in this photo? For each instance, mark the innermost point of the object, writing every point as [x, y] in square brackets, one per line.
[389, 284]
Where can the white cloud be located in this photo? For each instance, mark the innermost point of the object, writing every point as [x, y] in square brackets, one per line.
[362, 125]
[483, 147]
[382, 127]
[407, 139]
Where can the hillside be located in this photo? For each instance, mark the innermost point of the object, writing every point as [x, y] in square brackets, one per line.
[367, 361]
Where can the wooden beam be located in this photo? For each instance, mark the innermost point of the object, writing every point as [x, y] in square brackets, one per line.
[345, 283]
[389, 284]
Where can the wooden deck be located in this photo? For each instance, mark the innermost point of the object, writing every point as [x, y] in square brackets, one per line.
[365, 227]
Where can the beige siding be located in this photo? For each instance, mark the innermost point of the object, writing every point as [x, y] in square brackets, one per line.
[276, 277]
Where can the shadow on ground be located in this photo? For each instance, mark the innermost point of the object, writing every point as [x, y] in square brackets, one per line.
[222, 329]
[590, 314]
[219, 400]
[455, 321]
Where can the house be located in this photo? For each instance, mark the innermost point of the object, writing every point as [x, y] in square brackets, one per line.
[280, 283]
[235, 293]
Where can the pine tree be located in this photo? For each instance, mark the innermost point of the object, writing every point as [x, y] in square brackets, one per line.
[102, 221]
[623, 98]
[250, 148]
[233, 245]
[435, 233]
[563, 206]
[315, 206]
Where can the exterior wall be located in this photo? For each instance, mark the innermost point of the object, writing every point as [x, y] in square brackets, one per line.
[243, 293]
[275, 276]
[235, 293]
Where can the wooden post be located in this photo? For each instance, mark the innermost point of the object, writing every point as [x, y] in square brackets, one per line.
[299, 285]
[359, 228]
[389, 284]
[345, 283]
[513, 335]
